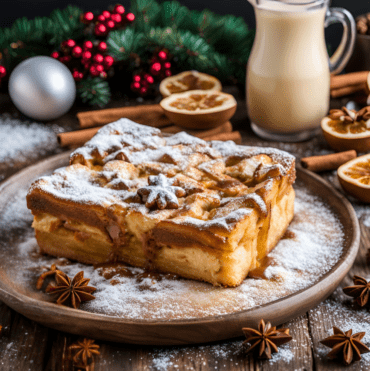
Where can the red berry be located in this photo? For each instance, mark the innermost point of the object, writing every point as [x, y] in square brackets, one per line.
[102, 46]
[155, 68]
[77, 75]
[144, 84]
[119, 9]
[167, 65]
[86, 65]
[103, 75]
[130, 17]
[77, 51]
[87, 45]
[98, 58]
[108, 61]
[86, 55]
[162, 55]
[105, 14]
[101, 18]
[70, 43]
[135, 86]
[143, 91]
[93, 71]
[149, 78]
[88, 17]
[100, 29]
[65, 58]
[137, 78]
[99, 68]
[116, 18]
[54, 55]
[168, 73]
[110, 24]
[2, 71]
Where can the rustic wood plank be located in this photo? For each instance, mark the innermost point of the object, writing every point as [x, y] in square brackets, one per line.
[339, 310]
[23, 343]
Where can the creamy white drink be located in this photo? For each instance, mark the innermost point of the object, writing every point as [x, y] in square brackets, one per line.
[288, 77]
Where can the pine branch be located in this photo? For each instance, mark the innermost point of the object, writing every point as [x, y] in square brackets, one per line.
[94, 91]
[124, 42]
[40, 35]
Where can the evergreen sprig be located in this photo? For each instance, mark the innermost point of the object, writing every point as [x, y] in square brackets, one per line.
[203, 41]
[94, 91]
[39, 36]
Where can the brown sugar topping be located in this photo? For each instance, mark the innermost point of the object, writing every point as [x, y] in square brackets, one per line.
[190, 82]
[198, 101]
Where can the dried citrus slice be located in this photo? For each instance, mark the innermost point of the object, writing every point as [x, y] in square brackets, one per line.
[189, 80]
[199, 109]
[354, 176]
[345, 130]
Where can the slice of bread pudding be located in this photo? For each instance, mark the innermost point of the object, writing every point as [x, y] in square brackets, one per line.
[208, 211]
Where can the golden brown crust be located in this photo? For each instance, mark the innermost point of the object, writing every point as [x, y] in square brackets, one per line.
[235, 203]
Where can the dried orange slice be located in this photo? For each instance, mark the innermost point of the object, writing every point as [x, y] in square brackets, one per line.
[348, 131]
[189, 80]
[199, 109]
[354, 176]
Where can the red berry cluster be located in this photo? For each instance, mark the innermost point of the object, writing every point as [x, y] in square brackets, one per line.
[159, 68]
[90, 58]
[108, 20]
[141, 83]
[2, 72]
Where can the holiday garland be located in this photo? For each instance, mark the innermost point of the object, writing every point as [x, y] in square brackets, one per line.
[139, 48]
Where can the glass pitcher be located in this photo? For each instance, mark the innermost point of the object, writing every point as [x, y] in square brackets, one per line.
[288, 73]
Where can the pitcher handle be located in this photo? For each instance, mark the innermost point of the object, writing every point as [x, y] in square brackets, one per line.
[345, 49]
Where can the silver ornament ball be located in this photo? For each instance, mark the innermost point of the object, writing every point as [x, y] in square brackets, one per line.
[42, 88]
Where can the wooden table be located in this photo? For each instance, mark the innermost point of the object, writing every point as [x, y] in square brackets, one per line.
[25, 345]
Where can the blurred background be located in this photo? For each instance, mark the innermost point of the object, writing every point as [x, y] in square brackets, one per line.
[13, 9]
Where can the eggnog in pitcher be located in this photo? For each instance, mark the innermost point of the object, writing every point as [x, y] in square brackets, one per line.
[288, 77]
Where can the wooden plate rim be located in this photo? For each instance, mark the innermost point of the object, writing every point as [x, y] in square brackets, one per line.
[10, 296]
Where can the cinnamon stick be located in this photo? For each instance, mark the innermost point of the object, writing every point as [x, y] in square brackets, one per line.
[327, 162]
[80, 137]
[348, 90]
[349, 79]
[76, 138]
[151, 115]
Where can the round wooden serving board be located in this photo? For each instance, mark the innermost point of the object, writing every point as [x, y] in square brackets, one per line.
[173, 331]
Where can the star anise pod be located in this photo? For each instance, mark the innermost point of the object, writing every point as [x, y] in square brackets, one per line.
[84, 352]
[345, 345]
[360, 290]
[52, 271]
[349, 117]
[76, 290]
[162, 192]
[266, 339]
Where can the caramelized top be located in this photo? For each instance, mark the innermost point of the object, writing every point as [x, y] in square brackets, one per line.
[221, 181]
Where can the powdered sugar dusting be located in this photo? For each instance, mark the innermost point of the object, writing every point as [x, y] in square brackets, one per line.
[298, 263]
[22, 140]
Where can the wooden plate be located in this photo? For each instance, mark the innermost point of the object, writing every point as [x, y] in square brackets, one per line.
[174, 331]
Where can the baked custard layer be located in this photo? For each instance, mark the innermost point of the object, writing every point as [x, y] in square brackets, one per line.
[235, 205]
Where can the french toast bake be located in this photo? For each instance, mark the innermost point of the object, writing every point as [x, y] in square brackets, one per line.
[209, 211]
